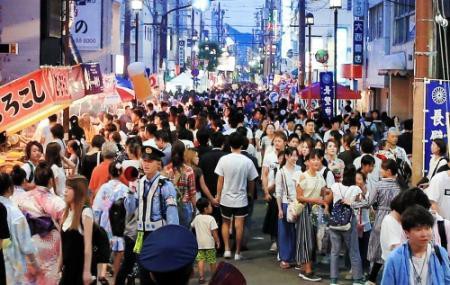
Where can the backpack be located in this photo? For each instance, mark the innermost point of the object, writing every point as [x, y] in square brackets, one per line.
[117, 214]
[101, 248]
[341, 216]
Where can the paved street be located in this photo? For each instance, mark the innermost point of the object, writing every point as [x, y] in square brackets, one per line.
[261, 267]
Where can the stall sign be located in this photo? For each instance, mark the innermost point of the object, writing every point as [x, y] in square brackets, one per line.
[326, 93]
[24, 96]
[58, 79]
[436, 109]
[92, 76]
[358, 41]
[76, 84]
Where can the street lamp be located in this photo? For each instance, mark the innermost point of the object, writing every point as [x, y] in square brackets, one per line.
[136, 6]
[335, 4]
[309, 21]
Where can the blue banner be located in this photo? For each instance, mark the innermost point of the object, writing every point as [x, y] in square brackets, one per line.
[436, 111]
[358, 41]
[326, 93]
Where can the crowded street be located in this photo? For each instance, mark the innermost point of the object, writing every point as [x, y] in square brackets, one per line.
[224, 142]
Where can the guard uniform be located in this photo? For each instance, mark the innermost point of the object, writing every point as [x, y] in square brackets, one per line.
[155, 204]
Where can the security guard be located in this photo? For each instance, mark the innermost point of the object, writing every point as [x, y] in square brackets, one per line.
[155, 201]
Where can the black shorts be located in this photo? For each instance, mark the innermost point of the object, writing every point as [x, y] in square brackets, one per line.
[228, 212]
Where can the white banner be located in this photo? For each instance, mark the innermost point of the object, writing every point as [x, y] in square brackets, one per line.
[87, 29]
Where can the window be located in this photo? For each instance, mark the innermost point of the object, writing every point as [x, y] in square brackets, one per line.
[404, 30]
[376, 22]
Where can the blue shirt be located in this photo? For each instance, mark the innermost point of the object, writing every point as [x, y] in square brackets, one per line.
[169, 208]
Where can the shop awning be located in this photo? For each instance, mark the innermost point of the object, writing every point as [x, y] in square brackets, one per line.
[344, 93]
[395, 65]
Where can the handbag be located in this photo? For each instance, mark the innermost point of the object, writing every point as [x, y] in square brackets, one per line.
[341, 216]
[294, 208]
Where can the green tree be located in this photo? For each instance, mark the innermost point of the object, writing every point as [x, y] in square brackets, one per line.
[210, 52]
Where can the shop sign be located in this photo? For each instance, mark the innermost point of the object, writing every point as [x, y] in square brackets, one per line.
[87, 28]
[326, 93]
[436, 115]
[358, 41]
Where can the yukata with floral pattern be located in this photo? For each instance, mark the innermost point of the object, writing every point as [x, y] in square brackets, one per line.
[42, 202]
[19, 245]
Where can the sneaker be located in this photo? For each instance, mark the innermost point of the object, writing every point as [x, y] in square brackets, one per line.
[227, 254]
[358, 282]
[325, 260]
[238, 257]
[273, 247]
[298, 267]
[370, 283]
[310, 277]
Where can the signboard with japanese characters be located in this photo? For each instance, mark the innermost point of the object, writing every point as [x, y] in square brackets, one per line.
[87, 28]
[358, 41]
[181, 53]
[326, 93]
[93, 82]
[437, 104]
[358, 8]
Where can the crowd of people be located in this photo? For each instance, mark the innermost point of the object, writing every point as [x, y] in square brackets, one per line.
[336, 189]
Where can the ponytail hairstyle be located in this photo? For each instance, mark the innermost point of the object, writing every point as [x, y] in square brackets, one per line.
[391, 165]
[115, 169]
[288, 151]
[76, 146]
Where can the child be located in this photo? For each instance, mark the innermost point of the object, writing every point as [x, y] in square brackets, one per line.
[207, 236]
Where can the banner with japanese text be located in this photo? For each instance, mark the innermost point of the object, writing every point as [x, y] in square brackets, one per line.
[436, 109]
[326, 94]
[24, 96]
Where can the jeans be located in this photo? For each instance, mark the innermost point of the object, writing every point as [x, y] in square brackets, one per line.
[127, 265]
[363, 246]
[286, 238]
[186, 215]
[350, 238]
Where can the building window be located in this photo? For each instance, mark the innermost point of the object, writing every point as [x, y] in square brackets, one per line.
[404, 30]
[376, 22]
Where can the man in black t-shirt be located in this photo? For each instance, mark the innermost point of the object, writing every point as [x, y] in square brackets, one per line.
[4, 234]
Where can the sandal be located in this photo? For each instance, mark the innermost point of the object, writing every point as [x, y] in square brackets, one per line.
[284, 265]
[103, 281]
[201, 281]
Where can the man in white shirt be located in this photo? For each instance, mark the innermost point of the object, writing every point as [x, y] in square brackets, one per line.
[439, 193]
[367, 148]
[236, 174]
[46, 135]
[391, 144]
[335, 126]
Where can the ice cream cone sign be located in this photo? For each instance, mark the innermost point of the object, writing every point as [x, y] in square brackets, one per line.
[141, 83]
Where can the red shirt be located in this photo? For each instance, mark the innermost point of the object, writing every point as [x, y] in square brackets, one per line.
[100, 175]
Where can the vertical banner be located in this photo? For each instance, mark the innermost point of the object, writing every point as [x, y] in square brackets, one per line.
[326, 93]
[181, 53]
[93, 80]
[87, 28]
[436, 110]
[358, 8]
[358, 41]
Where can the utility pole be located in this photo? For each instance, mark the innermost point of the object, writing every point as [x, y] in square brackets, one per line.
[301, 44]
[192, 37]
[424, 58]
[126, 38]
[155, 39]
[177, 31]
[66, 37]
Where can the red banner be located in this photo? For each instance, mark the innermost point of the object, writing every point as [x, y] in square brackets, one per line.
[24, 96]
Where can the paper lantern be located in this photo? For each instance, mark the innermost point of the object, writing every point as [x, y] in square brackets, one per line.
[141, 84]
[322, 56]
